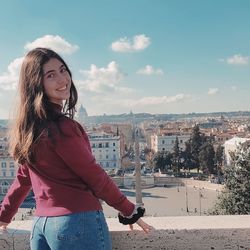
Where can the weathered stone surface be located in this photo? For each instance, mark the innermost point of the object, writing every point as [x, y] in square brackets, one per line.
[189, 232]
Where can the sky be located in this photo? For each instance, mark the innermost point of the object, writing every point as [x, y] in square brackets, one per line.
[161, 56]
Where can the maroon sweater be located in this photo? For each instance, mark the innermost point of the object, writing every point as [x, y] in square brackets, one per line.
[66, 178]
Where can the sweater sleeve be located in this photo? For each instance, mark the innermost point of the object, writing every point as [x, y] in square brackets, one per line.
[16, 194]
[74, 149]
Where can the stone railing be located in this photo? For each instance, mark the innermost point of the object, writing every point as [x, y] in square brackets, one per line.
[167, 182]
[169, 233]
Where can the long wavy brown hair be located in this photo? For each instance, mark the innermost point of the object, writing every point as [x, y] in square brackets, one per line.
[34, 111]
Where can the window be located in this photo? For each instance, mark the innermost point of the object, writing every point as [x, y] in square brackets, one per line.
[12, 164]
[12, 173]
[163, 142]
[5, 186]
[107, 156]
[163, 149]
[107, 165]
[114, 157]
[100, 145]
[113, 150]
[107, 145]
[113, 143]
[93, 145]
[4, 164]
[4, 173]
[114, 164]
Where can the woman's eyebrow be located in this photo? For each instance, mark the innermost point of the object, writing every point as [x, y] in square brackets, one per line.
[53, 70]
[62, 66]
[49, 71]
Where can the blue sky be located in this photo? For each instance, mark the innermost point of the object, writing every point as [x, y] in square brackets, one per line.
[157, 56]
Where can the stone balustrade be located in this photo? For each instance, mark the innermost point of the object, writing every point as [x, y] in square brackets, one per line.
[173, 233]
[167, 181]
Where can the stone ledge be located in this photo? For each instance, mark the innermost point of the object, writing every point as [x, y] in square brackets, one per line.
[187, 232]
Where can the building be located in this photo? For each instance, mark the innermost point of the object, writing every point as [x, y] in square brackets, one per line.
[3, 146]
[8, 170]
[118, 129]
[166, 142]
[8, 167]
[82, 115]
[231, 146]
[106, 149]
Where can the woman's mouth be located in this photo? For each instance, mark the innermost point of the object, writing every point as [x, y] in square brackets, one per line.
[63, 88]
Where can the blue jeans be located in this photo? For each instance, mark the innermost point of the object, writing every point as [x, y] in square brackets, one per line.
[78, 231]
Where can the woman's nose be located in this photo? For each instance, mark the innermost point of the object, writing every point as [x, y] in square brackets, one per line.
[62, 79]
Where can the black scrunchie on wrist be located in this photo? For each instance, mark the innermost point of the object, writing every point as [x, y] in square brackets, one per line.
[131, 220]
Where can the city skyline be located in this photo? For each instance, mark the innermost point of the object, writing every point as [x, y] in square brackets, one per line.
[154, 57]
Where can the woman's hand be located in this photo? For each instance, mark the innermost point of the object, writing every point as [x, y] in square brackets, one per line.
[146, 228]
[3, 225]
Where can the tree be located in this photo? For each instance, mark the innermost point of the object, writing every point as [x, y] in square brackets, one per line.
[206, 158]
[187, 156]
[219, 159]
[196, 142]
[176, 155]
[162, 160]
[131, 152]
[219, 155]
[149, 157]
[235, 198]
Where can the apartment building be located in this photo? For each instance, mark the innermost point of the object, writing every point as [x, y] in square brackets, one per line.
[165, 142]
[106, 149]
[7, 167]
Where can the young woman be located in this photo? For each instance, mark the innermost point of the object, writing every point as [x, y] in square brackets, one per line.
[56, 161]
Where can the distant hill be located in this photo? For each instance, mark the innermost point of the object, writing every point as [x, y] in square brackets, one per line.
[159, 117]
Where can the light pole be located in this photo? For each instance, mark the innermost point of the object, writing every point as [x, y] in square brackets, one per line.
[186, 193]
[137, 169]
[200, 195]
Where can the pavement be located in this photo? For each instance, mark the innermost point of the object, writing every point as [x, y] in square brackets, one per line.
[171, 201]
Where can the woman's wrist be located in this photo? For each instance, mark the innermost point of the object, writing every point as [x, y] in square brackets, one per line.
[128, 220]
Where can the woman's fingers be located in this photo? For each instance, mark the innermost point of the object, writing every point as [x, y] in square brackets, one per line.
[3, 225]
[146, 228]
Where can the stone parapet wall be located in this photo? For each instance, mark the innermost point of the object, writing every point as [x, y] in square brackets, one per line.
[201, 184]
[170, 233]
[167, 181]
[171, 181]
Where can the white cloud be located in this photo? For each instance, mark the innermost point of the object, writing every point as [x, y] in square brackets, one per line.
[238, 60]
[234, 88]
[139, 42]
[56, 43]
[221, 60]
[213, 91]
[9, 79]
[149, 70]
[103, 79]
[121, 104]
[157, 100]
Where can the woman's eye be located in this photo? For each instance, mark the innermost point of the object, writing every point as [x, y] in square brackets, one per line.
[50, 75]
[63, 70]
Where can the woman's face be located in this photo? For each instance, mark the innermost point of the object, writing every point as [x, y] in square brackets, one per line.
[56, 81]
